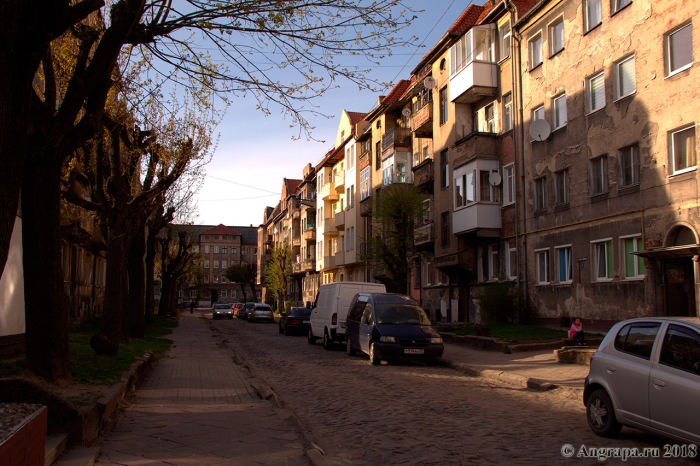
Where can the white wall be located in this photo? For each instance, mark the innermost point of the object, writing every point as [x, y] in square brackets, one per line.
[12, 287]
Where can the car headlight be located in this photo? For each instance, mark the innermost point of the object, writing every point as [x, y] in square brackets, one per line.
[435, 341]
[387, 339]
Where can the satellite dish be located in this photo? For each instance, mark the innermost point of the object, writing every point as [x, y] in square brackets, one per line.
[429, 82]
[494, 178]
[540, 130]
[406, 112]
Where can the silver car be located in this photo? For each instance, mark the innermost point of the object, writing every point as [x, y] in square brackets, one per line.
[222, 311]
[646, 374]
[261, 312]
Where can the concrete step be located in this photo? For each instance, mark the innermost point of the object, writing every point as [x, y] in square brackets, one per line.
[84, 456]
[55, 444]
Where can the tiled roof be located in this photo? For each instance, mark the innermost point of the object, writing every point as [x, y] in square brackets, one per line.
[356, 117]
[523, 6]
[220, 229]
[396, 93]
[249, 235]
[292, 185]
[467, 19]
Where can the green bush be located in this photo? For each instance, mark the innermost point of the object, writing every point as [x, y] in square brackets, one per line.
[499, 301]
[289, 304]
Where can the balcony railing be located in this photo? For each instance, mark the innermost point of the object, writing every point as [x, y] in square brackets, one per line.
[339, 258]
[339, 181]
[296, 267]
[328, 192]
[476, 80]
[310, 235]
[329, 227]
[328, 262]
[475, 145]
[308, 265]
[422, 121]
[340, 220]
[424, 175]
[296, 241]
[424, 234]
[396, 137]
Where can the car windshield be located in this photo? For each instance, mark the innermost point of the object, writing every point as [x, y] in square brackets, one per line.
[401, 314]
[221, 306]
[300, 312]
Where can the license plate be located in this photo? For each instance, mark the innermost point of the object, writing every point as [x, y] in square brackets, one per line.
[414, 351]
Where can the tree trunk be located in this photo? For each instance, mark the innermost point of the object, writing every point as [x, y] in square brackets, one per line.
[150, 277]
[137, 284]
[47, 314]
[165, 287]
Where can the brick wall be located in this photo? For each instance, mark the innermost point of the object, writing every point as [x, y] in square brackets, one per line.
[26, 446]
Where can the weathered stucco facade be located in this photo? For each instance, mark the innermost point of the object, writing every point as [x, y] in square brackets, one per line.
[617, 172]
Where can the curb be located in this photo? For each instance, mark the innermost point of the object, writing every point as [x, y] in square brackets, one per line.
[313, 452]
[500, 376]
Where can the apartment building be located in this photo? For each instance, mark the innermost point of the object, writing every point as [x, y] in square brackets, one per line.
[610, 169]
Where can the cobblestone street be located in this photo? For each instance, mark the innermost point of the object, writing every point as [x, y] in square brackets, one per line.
[415, 414]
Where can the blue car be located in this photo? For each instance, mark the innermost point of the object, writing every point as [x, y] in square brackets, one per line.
[391, 327]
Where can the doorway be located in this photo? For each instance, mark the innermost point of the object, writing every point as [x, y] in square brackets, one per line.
[680, 287]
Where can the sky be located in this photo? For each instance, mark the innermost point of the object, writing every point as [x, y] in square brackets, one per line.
[255, 152]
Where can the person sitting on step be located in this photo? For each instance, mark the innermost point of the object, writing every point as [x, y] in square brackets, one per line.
[576, 332]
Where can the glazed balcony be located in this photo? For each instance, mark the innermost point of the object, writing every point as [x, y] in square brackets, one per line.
[422, 121]
[340, 220]
[328, 192]
[329, 227]
[339, 258]
[424, 235]
[328, 262]
[424, 175]
[478, 216]
[395, 138]
[478, 79]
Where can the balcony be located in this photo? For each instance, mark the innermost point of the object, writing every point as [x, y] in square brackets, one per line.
[328, 192]
[310, 235]
[328, 262]
[478, 216]
[269, 240]
[422, 121]
[340, 220]
[475, 145]
[424, 235]
[366, 207]
[329, 227]
[296, 241]
[478, 79]
[339, 181]
[309, 264]
[397, 137]
[296, 267]
[424, 175]
[339, 258]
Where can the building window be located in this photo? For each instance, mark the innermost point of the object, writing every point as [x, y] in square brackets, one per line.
[195, 249]
[216, 279]
[634, 265]
[206, 264]
[602, 260]
[559, 110]
[255, 251]
[233, 249]
[564, 264]
[509, 184]
[683, 149]
[625, 80]
[599, 176]
[223, 292]
[443, 105]
[378, 155]
[556, 36]
[365, 187]
[490, 116]
[595, 92]
[511, 260]
[445, 168]
[535, 48]
[465, 190]
[206, 249]
[504, 34]
[538, 113]
[216, 249]
[446, 233]
[542, 262]
[206, 278]
[629, 166]
[617, 5]
[180, 293]
[487, 192]
[216, 264]
[193, 293]
[490, 262]
[540, 194]
[507, 112]
[245, 250]
[224, 249]
[678, 47]
[224, 264]
[426, 210]
[593, 13]
[561, 187]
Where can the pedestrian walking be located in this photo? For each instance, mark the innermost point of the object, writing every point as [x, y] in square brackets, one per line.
[192, 307]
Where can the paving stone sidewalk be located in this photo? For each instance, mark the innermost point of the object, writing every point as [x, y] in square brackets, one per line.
[532, 364]
[198, 408]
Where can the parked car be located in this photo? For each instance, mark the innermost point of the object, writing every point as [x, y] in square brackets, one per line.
[221, 311]
[327, 319]
[646, 374]
[261, 312]
[236, 308]
[296, 321]
[243, 313]
[391, 327]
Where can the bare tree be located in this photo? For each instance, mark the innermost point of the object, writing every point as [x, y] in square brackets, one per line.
[278, 272]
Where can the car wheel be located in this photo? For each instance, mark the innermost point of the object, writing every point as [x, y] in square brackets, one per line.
[373, 358]
[327, 342]
[311, 338]
[349, 349]
[601, 414]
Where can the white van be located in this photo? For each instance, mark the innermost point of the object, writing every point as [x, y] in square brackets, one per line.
[328, 317]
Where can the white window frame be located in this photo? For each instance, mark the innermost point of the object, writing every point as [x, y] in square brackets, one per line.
[224, 264]
[667, 50]
[561, 193]
[672, 144]
[596, 245]
[223, 294]
[216, 249]
[639, 274]
[505, 35]
[534, 46]
[511, 265]
[570, 271]
[365, 183]
[617, 71]
[559, 112]
[542, 254]
[598, 4]
[509, 184]
[605, 185]
[206, 249]
[206, 263]
[590, 92]
[633, 153]
[193, 293]
[493, 261]
[427, 214]
[552, 29]
[507, 112]
[216, 263]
